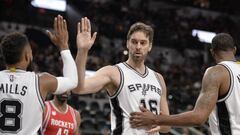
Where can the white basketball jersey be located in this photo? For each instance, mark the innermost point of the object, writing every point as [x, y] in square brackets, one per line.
[21, 106]
[135, 89]
[225, 118]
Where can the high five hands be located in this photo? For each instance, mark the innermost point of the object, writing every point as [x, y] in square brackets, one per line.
[85, 39]
[60, 34]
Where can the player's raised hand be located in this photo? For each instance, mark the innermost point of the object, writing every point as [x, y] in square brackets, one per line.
[60, 34]
[85, 39]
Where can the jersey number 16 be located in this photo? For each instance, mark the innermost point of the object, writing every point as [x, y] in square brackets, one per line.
[152, 105]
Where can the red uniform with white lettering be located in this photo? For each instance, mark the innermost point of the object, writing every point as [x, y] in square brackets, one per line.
[58, 123]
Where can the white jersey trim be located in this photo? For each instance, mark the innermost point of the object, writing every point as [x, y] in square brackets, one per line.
[119, 89]
[158, 79]
[142, 75]
[231, 83]
[40, 99]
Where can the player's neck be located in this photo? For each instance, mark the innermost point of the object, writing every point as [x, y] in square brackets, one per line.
[61, 106]
[229, 57]
[139, 66]
[16, 66]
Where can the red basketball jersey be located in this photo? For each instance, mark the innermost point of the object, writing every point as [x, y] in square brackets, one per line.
[59, 123]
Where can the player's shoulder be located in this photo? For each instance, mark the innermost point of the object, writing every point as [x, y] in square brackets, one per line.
[74, 110]
[217, 72]
[69, 106]
[45, 76]
[109, 68]
[217, 69]
[159, 75]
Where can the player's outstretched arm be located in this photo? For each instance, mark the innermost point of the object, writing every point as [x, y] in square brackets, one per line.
[204, 105]
[85, 40]
[57, 85]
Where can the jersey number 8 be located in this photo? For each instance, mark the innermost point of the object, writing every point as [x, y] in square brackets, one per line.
[10, 115]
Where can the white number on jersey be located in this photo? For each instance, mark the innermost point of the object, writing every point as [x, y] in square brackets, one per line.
[10, 120]
[65, 131]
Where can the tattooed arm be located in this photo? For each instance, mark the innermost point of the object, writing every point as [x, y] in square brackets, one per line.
[211, 84]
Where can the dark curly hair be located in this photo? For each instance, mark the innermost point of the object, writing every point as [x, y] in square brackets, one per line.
[12, 46]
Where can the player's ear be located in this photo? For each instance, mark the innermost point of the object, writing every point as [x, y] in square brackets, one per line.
[28, 54]
[150, 47]
[128, 44]
[234, 50]
[212, 52]
[25, 54]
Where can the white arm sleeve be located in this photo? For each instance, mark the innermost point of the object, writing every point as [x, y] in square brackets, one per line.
[69, 80]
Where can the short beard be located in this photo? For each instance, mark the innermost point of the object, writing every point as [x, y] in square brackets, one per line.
[138, 60]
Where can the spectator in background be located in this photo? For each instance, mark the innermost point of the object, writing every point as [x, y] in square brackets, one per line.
[57, 110]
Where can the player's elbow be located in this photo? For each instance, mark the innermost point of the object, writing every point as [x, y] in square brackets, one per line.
[74, 82]
[79, 89]
[64, 84]
[165, 129]
[198, 122]
[199, 119]
[74, 85]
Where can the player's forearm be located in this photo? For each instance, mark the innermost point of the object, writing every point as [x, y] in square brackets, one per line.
[190, 118]
[70, 79]
[81, 60]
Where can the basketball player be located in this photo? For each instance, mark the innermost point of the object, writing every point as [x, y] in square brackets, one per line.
[219, 98]
[60, 118]
[129, 84]
[22, 92]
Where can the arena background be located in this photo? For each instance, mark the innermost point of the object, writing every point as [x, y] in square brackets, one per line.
[179, 54]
